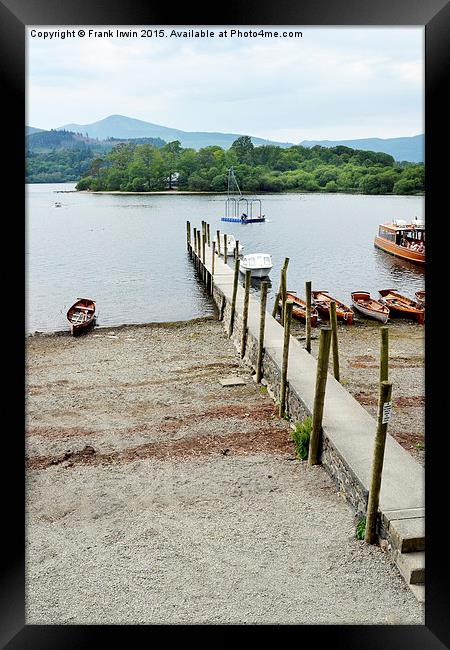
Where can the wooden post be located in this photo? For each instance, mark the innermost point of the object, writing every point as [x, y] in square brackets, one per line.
[213, 257]
[248, 280]
[277, 297]
[222, 308]
[199, 249]
[334, 337]
[384, 355]
[208, 234]
[319, 397]
[225, 248]
[218, 242]
[308, 316]
[283, 295]
[195, 240]
[188, 233]
[262, 323]
[384, 411]
[233, 301]
[203, 244]
[287, 334]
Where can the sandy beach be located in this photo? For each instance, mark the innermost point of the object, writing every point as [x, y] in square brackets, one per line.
[157, 495]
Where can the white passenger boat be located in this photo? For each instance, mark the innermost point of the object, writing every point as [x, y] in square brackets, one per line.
[231, 245]
[260, 264]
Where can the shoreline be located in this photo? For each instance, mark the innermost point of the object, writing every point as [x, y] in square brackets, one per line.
[224, 193]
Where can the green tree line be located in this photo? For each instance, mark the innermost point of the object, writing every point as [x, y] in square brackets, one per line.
[268, 168]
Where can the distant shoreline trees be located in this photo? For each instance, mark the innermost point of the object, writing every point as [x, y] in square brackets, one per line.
[135, 167]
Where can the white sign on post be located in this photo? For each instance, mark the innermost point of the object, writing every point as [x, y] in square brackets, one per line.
[387, 410]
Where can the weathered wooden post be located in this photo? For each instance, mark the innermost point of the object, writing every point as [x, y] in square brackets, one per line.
[319, 397]
[233, 301]
[195, 241]
[283, 295]
[188, 234]
[208, 234]
[287, 334]
[213, 257]
[218, 242]
[262, 323]
[333, 322]
[222, 308]
[199, 250]
[248, 280]
[384, 414]
[384, 355]
[225, 248]
[203, 243]
[308, 316]
[277, 297]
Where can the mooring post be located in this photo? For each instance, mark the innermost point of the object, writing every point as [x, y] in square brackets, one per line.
[333, 322]
[233, 301]
[218, 242]
[222, 308]
[262, 323]
[384, 355]
[283, 295]
[208, 234]
[213, 259]
[225, 248]
[195, 240]
[188, 234]
[384, 414]
[278, 296]
[248, 280]
[203, 243]
[308, 316]
[287, 334]
[319, 397]
[199, 250]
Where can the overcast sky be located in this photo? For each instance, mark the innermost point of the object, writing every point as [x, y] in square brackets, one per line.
[333, 83]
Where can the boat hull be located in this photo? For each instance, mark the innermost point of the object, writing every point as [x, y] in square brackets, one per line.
[402, 306]
[256, 273]
[242, 220]
[399, 251]
[322, 304]
[381, 314]
[81, 316]
[299, 309]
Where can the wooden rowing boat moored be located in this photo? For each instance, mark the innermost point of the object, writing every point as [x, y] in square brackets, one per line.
[321, 301]
[371, 308]
[81, 315]
[401, 305]
[299, 308]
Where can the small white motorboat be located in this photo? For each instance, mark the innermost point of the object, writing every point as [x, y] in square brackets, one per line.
[231, 245]
[260, 264]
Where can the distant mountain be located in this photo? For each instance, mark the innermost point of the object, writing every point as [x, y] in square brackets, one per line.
[55, 140]
[411, 149]
[31, 129]
[119, 126]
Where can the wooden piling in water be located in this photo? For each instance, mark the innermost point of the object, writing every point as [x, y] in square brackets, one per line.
[334, 338]
[384, 354]
[287, 335]
[208, 234]
[262, 323]
[218, 242]
[384, 413]
[188, 234]
[248, 280]
[195, 241]
[233, 301]
[225, 248]
[283, 295]
[319, 397]
[213, 259]
[308, 316]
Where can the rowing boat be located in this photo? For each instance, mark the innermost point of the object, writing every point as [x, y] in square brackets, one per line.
[420, 296]
[299, 308]
[81, 315]
[322, 300]
[371, 308]
[401, 305]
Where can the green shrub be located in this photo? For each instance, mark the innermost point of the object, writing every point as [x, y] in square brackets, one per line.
[301, 435]
[361, 528]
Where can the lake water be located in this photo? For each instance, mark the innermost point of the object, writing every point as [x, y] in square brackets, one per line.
[128, 252]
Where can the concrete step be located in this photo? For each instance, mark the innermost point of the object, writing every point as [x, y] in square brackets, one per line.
[404, 529]
[412, 567]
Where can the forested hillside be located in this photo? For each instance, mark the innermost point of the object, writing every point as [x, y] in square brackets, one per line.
[266, 168]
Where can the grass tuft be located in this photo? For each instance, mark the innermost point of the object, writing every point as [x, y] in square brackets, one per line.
[361, 528]
[301, 435]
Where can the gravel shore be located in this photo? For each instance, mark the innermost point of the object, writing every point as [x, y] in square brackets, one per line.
[156, 495]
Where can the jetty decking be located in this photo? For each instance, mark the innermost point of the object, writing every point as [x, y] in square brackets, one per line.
[348, 429]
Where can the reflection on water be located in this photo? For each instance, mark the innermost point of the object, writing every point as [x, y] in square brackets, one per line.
[129, 252]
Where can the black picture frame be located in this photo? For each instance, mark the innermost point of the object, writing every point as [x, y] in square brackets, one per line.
[15, 15]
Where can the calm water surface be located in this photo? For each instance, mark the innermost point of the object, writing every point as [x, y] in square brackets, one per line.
[129, 252]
